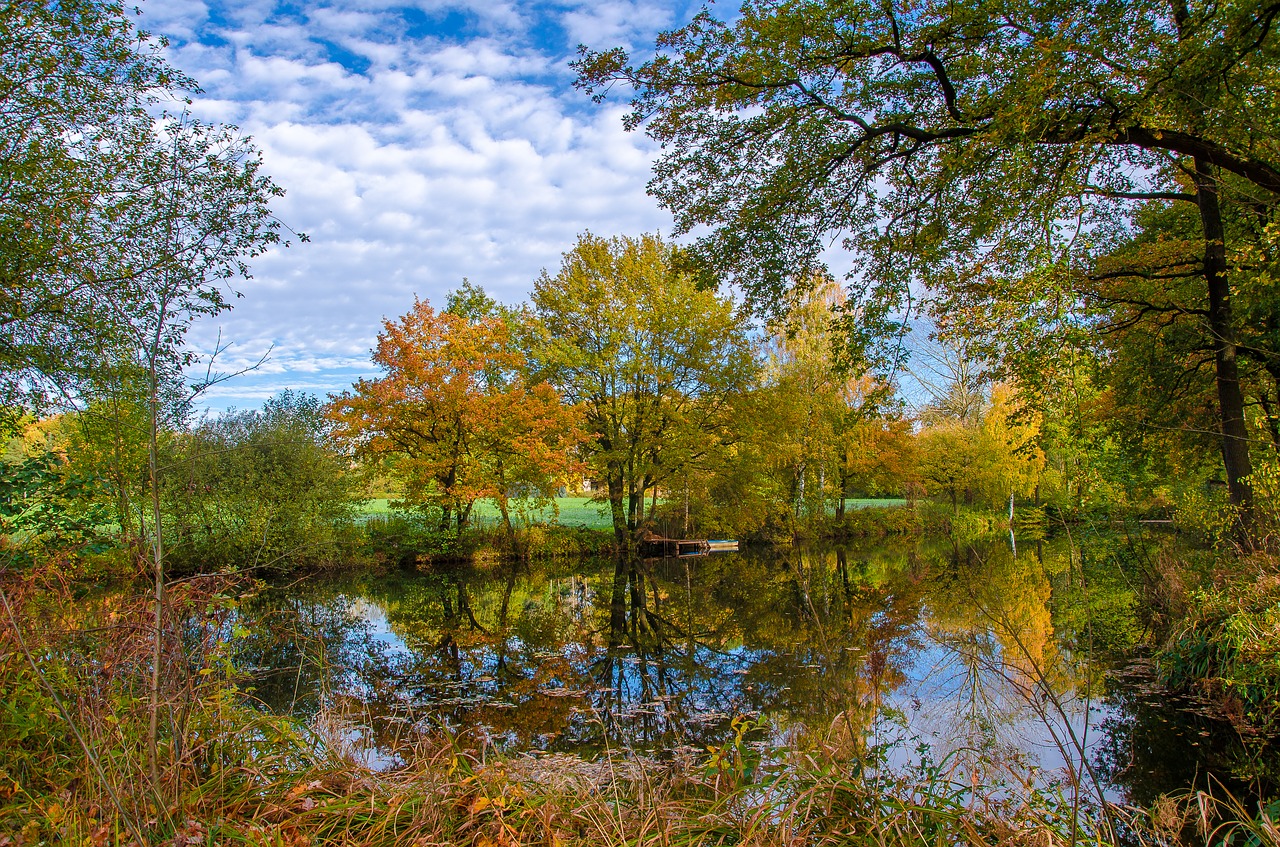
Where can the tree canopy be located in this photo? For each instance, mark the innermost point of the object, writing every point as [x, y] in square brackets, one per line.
[966, 147]
[121, 217]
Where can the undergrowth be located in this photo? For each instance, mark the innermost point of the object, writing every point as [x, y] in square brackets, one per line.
[1225, 651]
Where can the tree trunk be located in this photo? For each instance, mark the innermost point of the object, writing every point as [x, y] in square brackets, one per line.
[1270, 411]
[157, 561]
[618, 599]
[617, 508]
[1235, 437]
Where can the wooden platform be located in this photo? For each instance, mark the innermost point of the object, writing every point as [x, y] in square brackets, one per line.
[657, 545]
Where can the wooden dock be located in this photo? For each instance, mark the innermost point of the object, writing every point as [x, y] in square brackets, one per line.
[657, 545]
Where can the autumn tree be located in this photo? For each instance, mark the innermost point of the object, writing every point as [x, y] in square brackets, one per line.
[1010, 444]
[963, 146]
[456, 414]
[654, 361]
[992, 456]
[821, 404]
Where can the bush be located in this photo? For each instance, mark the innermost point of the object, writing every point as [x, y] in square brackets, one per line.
[413, 537]
[878, 521]
[260, 489]
[1226, 652]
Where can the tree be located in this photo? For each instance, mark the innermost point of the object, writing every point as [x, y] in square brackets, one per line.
[818, 400]
[992, 455]
[654, 361]
[879, 457]
[962, 146]
[1010, 447]
[108, 196]
[949, 456]
[121, 221]
[805, 392]
[951, 377]
[457, 413]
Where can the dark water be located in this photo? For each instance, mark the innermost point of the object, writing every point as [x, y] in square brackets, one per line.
[977, 651]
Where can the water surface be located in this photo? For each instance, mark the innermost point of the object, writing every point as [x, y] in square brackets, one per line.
[988, 652]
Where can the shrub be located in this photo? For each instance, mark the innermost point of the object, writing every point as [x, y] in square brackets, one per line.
[260, 489]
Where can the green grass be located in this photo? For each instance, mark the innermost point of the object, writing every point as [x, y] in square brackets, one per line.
[582, 511]
[573, 511]
[873, 502]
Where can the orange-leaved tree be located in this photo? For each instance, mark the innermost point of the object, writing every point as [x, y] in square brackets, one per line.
[456, 416]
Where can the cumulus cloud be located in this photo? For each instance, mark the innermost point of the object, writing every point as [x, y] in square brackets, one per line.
[607, 23]
[419, 144]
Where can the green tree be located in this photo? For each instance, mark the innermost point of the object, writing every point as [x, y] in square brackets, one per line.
[121, 222]
[949, 455]
[655, 362]
[112, 199]
[962, 146]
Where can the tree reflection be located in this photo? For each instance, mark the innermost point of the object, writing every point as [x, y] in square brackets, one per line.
[659, 653]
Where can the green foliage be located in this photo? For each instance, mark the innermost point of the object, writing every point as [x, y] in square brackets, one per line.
[404, 537]
[872, 521]
[1225, 652]
[1206, 516]
[260, 489]
[655, 362]
[969, 525]
[413, 537]
[111, 207]
[776, 132]
[44, 508]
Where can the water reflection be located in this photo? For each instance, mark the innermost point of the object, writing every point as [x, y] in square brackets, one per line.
[978, 649]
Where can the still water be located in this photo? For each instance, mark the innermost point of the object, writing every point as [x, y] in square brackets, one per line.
[991, 651]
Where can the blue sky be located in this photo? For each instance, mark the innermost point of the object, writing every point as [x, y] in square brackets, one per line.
[419, 143]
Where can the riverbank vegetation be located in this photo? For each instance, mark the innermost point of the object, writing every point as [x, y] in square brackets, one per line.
[1065, 319]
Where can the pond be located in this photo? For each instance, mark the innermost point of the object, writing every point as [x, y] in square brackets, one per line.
[995, 651]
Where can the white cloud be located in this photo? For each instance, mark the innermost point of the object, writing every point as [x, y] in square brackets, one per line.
[410, 162]
[608, 23]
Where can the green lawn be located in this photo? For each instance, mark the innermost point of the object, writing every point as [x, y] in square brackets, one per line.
[574, 511]
[868, 503]
[580, 511]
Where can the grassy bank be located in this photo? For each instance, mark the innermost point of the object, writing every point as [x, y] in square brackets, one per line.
[404, 538]
[575, 526]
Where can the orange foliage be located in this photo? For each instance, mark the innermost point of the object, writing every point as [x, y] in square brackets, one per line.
[457, 416]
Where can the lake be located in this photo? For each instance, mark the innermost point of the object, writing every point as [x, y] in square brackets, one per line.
[989, 654]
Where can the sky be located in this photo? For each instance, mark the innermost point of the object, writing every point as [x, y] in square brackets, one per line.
[419, 143]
